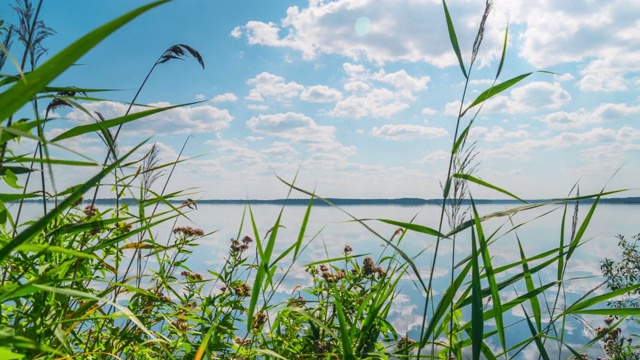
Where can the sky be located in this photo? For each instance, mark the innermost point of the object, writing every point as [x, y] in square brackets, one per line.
[360, 98]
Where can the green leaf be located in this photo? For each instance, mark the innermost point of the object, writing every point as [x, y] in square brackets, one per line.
[504, 51]
[496, 89]
[486, 184]
[477, 320]
[454, 38]
[99, 126]
[25, 89]
[11, 179]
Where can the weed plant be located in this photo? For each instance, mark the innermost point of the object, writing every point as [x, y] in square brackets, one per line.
[77, 282]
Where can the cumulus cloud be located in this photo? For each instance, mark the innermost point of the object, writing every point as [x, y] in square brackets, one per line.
[293, 126]
[600, 34]
[564, 120]
[534, 96]
[266, 85]
[396, 31]
[377, 103]
[402, 80]
[226, 97]
[407, 132]
[320, 94]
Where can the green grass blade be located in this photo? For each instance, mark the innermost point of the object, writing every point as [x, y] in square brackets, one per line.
[23, 91]
[580, 305]
[583, 228]
[454, 39]
[504, 51]
[414, 227]
[486, 184]
[535, 304]
[477, 320]
[99, 126]
[536, 336]
[496, 89]
[343, 329]
[490, 274]
[303, 228]
[561, 247]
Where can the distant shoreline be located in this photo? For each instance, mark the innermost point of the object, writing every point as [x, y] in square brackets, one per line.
[364, 202]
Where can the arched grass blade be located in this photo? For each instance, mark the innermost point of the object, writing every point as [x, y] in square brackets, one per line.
[487, 185]
[99, 126]
[496, 89]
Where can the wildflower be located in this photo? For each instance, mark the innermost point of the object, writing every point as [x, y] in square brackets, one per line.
[259, 319]
[347, 249]
[243, 290]
[381, 272]
[90, 210]
[188, 231]
[125, 227]
[369, 266]
[246, 240]
[78, 202]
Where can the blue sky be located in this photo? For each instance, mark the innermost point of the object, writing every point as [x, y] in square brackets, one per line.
[361, 96]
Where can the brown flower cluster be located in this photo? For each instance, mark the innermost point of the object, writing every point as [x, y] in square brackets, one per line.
[259, 320]
[404, 343]
[237, 248]
[329, 276]
[242, 342]
[191, 276]
[188, 231]
[369, 268]
[90, 211]
[243, 290]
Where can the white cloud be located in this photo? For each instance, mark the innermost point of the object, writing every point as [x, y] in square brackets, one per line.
[495, 133]
[407, 132]
[236, 32]
[377, 103]
[256, 107]
[563, 77]
[280, 149]
[226, 97]
[267, 85]
[433, 156]
[577, 119]
[320, 93]
[429, 111]
[402, 80]
[396, 31]
[357, 87]
[534, 96]
[601, 35]
[293, 126]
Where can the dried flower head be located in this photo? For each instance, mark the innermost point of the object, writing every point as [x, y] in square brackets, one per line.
[90, 211]
[348, 249]
[369, 267]
[243, 290]
[188, 231]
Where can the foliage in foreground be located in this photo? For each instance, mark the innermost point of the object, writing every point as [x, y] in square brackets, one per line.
[81, 281]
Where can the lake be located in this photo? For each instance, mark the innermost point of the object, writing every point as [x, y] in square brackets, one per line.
[330, 229]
